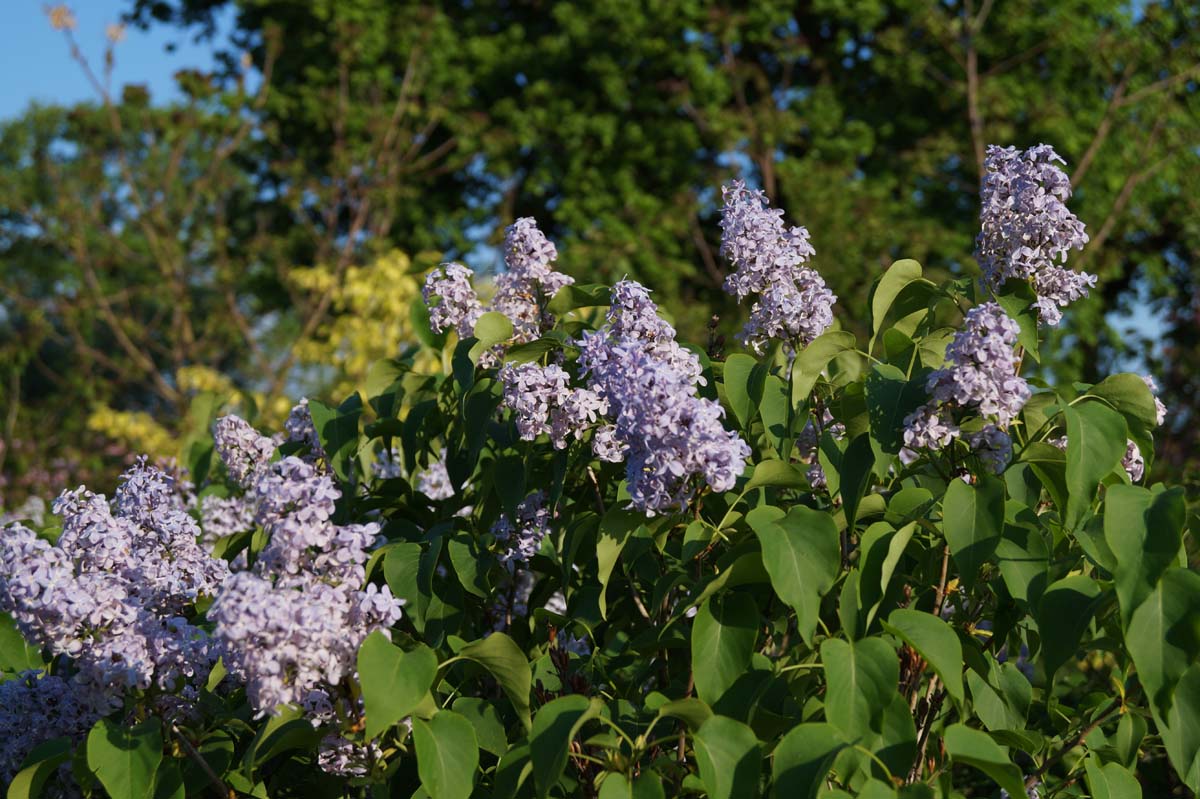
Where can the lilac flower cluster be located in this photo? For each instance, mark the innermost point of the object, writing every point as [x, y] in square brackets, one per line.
[291, 627]
[793, 306]
[523, 538]
[224, 516]
[1026, 230]
[451, 300]
[242, 449]
[34, 708]
[671, 435]
[111, 593]
[521, 291]
[1133, 462]
[980, 377]
[300, 429]
[512, 600]
[543, 402]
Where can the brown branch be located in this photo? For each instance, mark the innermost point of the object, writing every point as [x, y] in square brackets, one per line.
[1103, 129]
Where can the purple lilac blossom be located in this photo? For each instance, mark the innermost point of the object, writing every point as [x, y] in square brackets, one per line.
[346, 758]
[451, 300]
[673, 436]
[1026, 230]
[242, 449]
[980, 376]
[388, 464]
[111, 592]
[793, 306]
[543, 402]
[1133, 463]
[529, 282]
[523, 538]
[34, 708]
[808, 443]
[291, 627]
[512, 600]
[301, 430]
[224, 516]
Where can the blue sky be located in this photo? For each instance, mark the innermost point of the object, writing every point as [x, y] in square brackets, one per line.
[37, 65]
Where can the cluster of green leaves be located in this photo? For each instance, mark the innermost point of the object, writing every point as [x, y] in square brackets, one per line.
[928, 631]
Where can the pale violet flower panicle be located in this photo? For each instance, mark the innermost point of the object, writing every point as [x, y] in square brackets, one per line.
[1026, 230]
[529, 282]
[607, 445]
[36, 707]
[388, 464]
[980, 378]
[793, 305]
[345, 758]
[451, 299]
[110, 593]
[672, 438]
[223, 516]
[242, 449]
[290, 628]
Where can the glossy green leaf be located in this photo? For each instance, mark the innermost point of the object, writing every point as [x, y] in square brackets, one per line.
[1064, 613]
[1110, 781]
[646, 786]
[501, 656]
[861, 679]
[554, 727]
[1144, 533]
[393, 681]
[745, 379]
[802, 758]
[723, 636]
[974, 748]
[39, 765]
[1164, 635]
[802, 554]
[1095, 446]
[729, 759]
[447, 755]
[935, 641]
[972, 519]
[124, 758]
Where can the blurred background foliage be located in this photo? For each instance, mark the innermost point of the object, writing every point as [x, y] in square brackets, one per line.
[263, 237]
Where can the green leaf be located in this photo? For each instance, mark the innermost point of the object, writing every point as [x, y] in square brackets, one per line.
[39, 765]
[1131, 397]
[880, 550]
[615, 529]
[618, 786]
[419, 318]
[1024, 562]
[901, 284]
[125, 758]
[1144, 532]
[690, 710]
[813, 359]
[729, 758]
[469, 564]
[1180, 728]
[891, 396]
[447, 755]
[285, 731]
[337, 429]
[1164, 635]
[1017, 299]
[976, 748]
[802, 758]
[802, 554]
[16, 655]
[745, 379]
[1110, 781]
[774, 411]
[935, 641]
[972, 519]
[1095, 446]
[501, 656]
[1064, 613]
[861, 679]
[554, 727]
[574, 296]
[855, 473]
[723, 636]
[484, 717]
[492, 328]
[393, 681]
[777, 473]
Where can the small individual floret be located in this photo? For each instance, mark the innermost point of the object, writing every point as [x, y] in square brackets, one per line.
[1133, 463]
[794, 305]
[451, 300]
[1026, 230]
